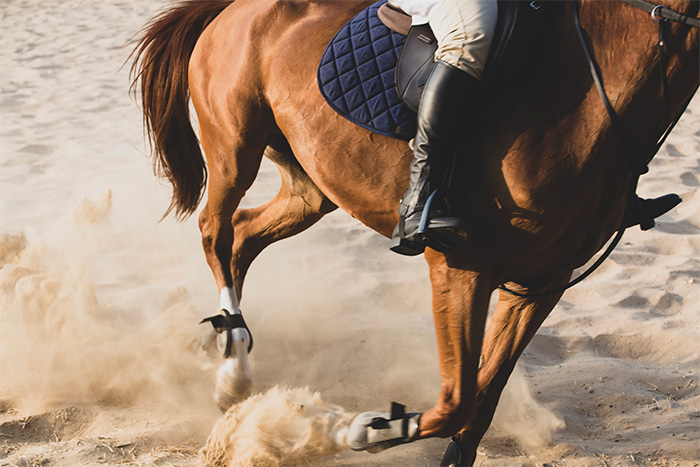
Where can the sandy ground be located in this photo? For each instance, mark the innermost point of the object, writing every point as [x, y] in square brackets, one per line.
[99, 303]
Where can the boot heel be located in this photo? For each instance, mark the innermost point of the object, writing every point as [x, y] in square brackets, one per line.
[411, 246]
[406, 247]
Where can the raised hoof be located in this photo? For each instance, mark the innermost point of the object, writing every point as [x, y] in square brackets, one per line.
[453, 456]
[375, 431]
[234, 378]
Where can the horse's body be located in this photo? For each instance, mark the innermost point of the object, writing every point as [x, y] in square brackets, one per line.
[547, 192]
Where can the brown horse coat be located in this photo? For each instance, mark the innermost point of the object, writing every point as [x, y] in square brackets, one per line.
[548, 189]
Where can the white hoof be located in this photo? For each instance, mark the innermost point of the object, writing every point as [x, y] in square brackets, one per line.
[233, 384]
[234, 379]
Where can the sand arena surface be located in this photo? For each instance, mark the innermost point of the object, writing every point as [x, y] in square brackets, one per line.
[99, 303]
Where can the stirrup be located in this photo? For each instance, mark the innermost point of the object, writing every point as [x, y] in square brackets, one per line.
[375, 432]
[441, 233]
[425, 215]
[224, 324]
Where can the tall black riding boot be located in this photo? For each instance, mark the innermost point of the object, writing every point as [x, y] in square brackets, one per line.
[447, 111]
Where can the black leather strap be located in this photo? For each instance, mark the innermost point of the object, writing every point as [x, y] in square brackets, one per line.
[225, 322]
[663, 12]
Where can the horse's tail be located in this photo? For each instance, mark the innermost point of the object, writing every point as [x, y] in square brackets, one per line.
[160, 67]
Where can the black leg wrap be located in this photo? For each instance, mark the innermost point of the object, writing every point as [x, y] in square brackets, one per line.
[224, 323]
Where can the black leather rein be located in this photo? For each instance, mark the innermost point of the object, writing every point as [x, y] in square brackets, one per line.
[660, 12]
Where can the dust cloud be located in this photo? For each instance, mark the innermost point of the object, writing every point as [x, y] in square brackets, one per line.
[521, 417]
[279, 427]
[99, 303]
[82, 326]
[66, 340]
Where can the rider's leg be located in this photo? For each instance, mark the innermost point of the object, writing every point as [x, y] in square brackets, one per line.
[463, 30]
[441, 123]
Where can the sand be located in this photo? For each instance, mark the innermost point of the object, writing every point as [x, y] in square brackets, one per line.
[100, 362]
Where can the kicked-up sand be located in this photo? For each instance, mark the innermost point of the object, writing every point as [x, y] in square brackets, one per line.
[100, 355]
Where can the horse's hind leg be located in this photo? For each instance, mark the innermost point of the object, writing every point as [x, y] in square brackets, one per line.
[234, 146]
[298, 205]
[513, 324]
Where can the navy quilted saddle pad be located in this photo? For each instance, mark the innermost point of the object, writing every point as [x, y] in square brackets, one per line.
[357, 76]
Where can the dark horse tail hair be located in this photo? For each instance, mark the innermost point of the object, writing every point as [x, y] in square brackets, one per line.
[160, 67]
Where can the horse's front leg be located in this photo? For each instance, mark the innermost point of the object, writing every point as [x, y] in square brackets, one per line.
[513, 324]
[460, 307]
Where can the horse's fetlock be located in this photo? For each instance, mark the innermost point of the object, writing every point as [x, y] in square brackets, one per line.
[234, 343]
[453, 418]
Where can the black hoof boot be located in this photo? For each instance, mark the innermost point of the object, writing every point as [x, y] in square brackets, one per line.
[453, 456]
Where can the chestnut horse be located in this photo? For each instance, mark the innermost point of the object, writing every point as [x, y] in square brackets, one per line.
[548, 190]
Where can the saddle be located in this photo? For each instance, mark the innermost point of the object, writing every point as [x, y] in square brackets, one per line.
[374, 69]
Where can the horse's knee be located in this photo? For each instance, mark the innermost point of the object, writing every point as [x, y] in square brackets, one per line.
[207, 231]
[217, 237]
